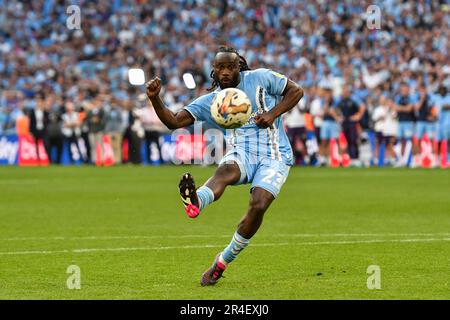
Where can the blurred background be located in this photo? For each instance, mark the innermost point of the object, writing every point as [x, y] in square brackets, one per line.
[376, 78]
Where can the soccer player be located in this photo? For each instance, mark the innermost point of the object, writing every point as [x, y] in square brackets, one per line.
[260, 153]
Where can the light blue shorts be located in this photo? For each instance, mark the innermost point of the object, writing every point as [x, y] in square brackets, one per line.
[442, 130]
[329, 130]
[405, 129]
[266, 173]
[423, 127]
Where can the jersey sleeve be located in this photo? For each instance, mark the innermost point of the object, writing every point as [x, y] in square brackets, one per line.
[200, 108]
[274, 82]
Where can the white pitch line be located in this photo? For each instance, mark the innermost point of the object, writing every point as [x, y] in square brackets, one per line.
[286, 235]
[110, 237]
[324, 235]
[87, 250]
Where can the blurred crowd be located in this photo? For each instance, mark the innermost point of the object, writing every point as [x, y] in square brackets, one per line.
[393, 81]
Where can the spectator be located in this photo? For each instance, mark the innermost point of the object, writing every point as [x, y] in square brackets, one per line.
[442, 104]
[316, 110]
[72, 131]
[10, 113]
[352, 110]
[3, 120]
[295, 123]
[330, 126]
[404, 106]
[95, 120]
[153, 128]
[386, 127]
[323, 42]
[55, 136]
[7, 121]
[424, 117]
[84, 141]
[134, 132]
[38, 125]
[114, 128]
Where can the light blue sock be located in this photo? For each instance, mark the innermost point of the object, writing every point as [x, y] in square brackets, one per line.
[237, 244]
[206, 196]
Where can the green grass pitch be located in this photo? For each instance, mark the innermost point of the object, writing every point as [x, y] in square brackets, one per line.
[126, 230]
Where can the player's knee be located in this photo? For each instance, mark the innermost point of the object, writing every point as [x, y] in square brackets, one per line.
[257, 207]
[255, 212]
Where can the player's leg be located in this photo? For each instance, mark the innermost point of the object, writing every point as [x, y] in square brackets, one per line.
[250, 223]
[266, 185]
[195, 200]
[225, 175]
[260, 201]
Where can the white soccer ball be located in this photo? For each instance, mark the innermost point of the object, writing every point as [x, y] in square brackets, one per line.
[231, 108]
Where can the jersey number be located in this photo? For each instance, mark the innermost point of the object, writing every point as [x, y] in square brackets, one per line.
[274, 178]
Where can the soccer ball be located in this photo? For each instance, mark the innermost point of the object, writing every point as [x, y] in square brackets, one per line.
[231, 108]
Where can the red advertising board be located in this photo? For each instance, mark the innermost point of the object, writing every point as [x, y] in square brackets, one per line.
[28, 152]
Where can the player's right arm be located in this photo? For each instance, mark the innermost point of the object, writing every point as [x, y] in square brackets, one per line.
[170, 119]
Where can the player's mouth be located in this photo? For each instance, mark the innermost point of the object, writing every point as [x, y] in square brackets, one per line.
[226, 82]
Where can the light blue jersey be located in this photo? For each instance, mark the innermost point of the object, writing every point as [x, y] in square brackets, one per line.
[264, 88]
[264, 155]
[443, 122]
[440, 101]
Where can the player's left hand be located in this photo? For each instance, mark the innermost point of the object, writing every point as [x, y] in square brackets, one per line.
[264, 120]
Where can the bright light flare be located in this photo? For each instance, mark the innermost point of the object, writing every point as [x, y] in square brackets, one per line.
[189, 80]
[136, 77]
